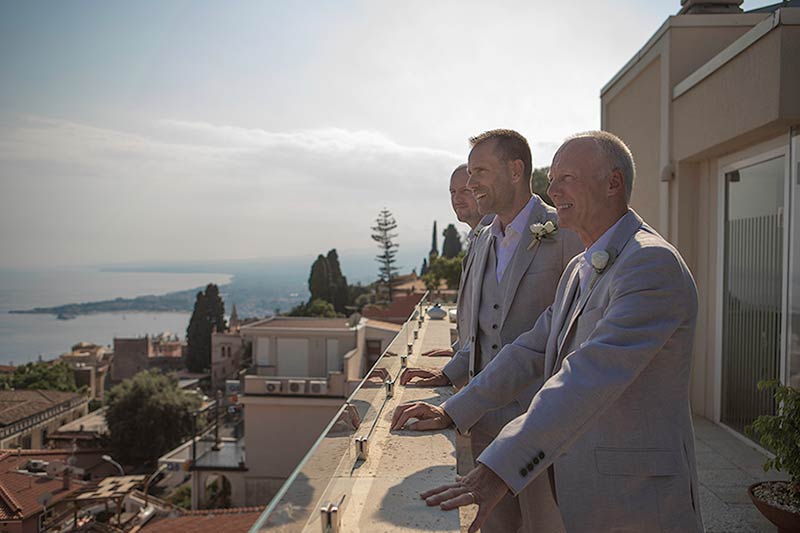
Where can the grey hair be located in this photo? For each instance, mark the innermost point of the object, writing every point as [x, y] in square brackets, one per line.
[617, 154]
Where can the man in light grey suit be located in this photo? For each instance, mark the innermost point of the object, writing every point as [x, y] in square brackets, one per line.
[466, 209]
[513, 276]
[611, 428]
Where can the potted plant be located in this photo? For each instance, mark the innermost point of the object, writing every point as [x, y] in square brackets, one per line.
[779, 501]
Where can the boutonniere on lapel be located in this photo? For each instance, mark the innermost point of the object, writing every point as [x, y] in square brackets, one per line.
[601, 260]
[541, 232]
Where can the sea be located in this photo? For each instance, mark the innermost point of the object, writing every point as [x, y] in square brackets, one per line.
[26, 338]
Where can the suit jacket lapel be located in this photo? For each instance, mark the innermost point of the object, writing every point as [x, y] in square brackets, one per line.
[564, 314]
[522, 258]
[478, 264]
[622, 235]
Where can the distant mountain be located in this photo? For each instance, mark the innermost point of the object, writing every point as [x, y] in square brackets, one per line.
[258, 288]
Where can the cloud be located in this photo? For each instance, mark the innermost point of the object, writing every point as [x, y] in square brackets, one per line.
[185, 190]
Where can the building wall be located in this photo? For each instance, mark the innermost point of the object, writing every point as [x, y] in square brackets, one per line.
[130, 357]
[49, 426]
[226, 357]
[280, 431]
[634, 115]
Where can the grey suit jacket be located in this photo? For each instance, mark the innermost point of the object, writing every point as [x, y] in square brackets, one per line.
[614, 420]
[464, 301]
[534, 275]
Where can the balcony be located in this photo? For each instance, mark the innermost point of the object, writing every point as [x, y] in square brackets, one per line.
[359, 477]
[365, 478]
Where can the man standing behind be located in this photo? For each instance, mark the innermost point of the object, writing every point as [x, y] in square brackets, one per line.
[518, 261]
[611, 428]
[466, 209]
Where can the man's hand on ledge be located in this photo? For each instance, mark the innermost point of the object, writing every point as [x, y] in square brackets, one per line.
[480, 486]
[428, 417]
[424, 378]
[446, 352]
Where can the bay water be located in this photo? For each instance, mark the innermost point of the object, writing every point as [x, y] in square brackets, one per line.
[25, 337]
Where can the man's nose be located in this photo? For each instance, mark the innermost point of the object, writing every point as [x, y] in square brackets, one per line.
[552, 189]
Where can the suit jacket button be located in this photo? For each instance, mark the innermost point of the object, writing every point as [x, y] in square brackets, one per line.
[494, 346]
[494, 326]
[530, 467]
[536, 460]
[471, 374]
[523, 472]
[496, 306]
[541, 455]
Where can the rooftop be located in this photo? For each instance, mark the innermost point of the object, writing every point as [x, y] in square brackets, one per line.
[290, 322]
[213, 521]
[16, 405]
[20, 491]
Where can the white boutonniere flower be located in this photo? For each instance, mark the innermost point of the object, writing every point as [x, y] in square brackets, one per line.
[541, 231]
[600, 261]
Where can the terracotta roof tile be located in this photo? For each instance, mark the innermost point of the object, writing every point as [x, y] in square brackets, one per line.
[228, 520]
[16, 405]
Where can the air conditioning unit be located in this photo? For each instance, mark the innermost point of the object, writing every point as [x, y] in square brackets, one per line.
[273, 386]
[36, 465]
[316, 386]
[297, 386]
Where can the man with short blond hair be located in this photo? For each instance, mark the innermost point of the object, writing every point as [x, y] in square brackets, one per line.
[514, 275]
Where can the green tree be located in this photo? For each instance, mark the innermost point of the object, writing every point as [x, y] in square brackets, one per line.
[208, 314]
[319, 280]
[443, 269]
[339, 290]
[539, 183]
[45, 376]
[317, 308]
[383, 234]
[147, 416]
[451, 246]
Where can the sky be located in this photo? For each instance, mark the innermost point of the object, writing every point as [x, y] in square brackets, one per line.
[158, 131]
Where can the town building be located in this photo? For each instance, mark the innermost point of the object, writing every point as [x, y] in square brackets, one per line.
[91, 364]
[164, 351]
[35, 484]
[710, 107]
[302, 371]
[28, 417]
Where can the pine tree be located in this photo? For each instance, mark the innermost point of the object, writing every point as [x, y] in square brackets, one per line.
[424, 269]
[451, 246]
[385, 224]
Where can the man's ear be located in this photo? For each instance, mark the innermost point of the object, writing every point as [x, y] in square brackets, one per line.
[517, 168]
[616, 183]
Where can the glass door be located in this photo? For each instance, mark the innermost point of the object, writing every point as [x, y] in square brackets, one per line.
[793, 345]
[753, 294]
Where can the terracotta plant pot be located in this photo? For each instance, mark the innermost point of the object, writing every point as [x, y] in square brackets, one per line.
[786, 521]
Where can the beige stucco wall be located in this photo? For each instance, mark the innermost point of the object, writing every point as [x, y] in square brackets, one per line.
[633, 114]
[280, 431]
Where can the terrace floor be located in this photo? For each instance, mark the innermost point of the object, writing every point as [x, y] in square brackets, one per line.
[726, 467]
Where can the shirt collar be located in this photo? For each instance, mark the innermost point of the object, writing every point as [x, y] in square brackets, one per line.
[520, 221]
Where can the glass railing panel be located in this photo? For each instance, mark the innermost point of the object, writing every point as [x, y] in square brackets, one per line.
[298, 502]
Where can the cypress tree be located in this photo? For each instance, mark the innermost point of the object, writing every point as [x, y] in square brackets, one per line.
[451, 246]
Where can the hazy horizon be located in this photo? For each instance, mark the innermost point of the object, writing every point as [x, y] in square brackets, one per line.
[198, 131]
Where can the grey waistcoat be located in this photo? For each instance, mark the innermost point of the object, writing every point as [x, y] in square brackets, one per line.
[490, 312]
